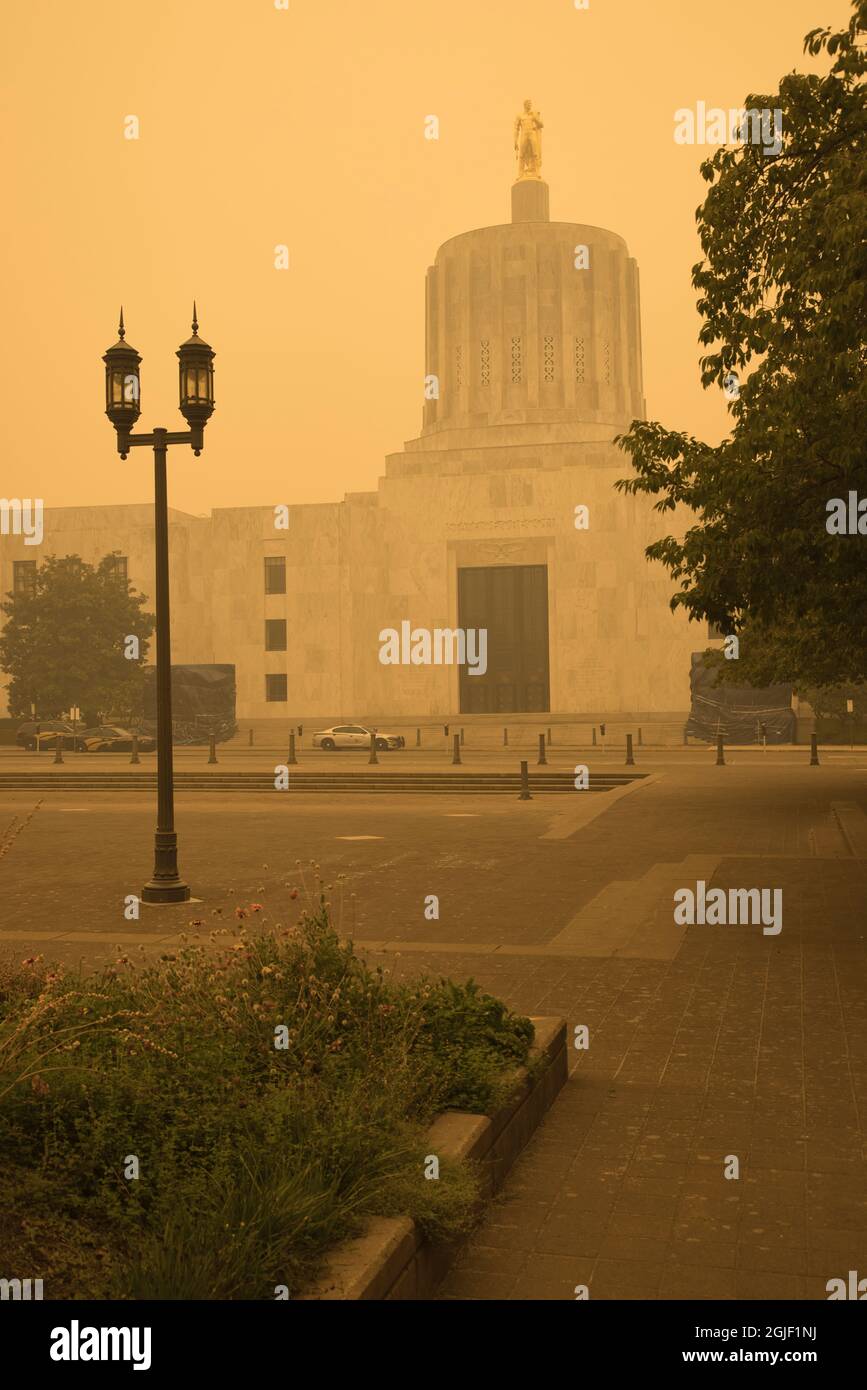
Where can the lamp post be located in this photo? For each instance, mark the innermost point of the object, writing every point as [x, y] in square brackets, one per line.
[123, 406]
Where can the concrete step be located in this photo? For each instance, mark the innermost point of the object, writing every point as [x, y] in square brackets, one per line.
[422, 782]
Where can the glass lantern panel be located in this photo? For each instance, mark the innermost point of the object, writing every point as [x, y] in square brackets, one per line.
[190, 384]
[203, 383]
[117, 388]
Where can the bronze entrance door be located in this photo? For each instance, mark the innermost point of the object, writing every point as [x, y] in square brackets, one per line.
[511, 601]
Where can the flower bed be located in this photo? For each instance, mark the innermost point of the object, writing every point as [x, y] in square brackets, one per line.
[210, 1125]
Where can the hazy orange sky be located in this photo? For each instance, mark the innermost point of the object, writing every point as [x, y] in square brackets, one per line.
[305, 126]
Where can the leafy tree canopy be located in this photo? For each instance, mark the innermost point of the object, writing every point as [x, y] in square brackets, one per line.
[782, 291]
[64, 641]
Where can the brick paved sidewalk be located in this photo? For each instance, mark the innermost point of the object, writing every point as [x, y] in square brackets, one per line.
[743, 1044]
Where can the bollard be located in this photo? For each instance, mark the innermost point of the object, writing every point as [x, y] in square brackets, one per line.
[720, 755]
[462, 738]
[291, 760]
[505, 737]
[630, 760]
[456, 755]
[300, 730]
[251, 738]
[58, 749]
[639, 737]
[418, 738]
[549, 738]
[446, 730]
[525, 784]
[814, 750]
[212, 756]
[541, 758]
[594, 735]
[134, 757]
[373, 758]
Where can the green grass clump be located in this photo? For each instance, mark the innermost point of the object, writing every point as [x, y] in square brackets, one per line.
[254, 1159]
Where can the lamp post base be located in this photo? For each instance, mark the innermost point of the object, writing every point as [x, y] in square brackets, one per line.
[166, 886]
[166, 892]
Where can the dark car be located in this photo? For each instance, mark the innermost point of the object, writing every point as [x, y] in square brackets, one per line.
[111, 738]
[42, 733]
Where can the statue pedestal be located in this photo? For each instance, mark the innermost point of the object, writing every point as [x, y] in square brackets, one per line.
[530, 201]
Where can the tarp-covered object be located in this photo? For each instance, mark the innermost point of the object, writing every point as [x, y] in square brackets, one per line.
[738, 711]
[203, 702]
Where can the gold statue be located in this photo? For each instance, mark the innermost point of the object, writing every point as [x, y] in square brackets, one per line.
[528, 142]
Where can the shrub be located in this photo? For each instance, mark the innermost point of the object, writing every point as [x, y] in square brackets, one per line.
[254, 1158]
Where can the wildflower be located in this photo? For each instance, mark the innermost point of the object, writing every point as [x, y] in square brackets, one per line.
[255, 907]
[240, 913]
[294, 893]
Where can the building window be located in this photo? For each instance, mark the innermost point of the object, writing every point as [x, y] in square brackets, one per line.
[117, 567]
[275, 574]
[516, 361]
[275, 690]
[275, 634]
[486, 361]
[579, 361]
[548, 357]
[24, 576]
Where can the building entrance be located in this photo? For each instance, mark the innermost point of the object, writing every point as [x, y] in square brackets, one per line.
[511, 601]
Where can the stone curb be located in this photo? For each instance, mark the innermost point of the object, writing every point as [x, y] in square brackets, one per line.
[393, 1260]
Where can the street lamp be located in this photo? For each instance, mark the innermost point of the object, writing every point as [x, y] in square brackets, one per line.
[123, 406]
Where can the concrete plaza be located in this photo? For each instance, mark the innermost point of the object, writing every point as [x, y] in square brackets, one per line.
[705, 1042]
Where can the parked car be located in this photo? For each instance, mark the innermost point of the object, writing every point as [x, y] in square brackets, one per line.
[110, 738]
[46, 737]
[355, 736]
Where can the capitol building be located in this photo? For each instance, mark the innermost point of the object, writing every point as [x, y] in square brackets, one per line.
[500, 516]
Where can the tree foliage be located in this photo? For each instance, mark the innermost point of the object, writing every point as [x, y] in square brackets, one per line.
[63, 642]
[782, 292]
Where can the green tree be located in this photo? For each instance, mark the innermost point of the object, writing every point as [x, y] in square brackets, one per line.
[782, 293]
[64, 641]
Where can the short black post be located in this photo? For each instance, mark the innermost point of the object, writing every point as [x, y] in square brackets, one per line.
[418, 738]
[541, 758]
[134, 757]
[720, 755]
[630, 760]
[446, 730]
[594, 735]
[373, 758]
[251, 738]
[300, 731]
[58, 749]
[639, 737]
[456, 755]
[462, 738]
[212, 756]
[525, 783]
[505, 737]
[814, 750]
[291, 760]
[549, 738]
